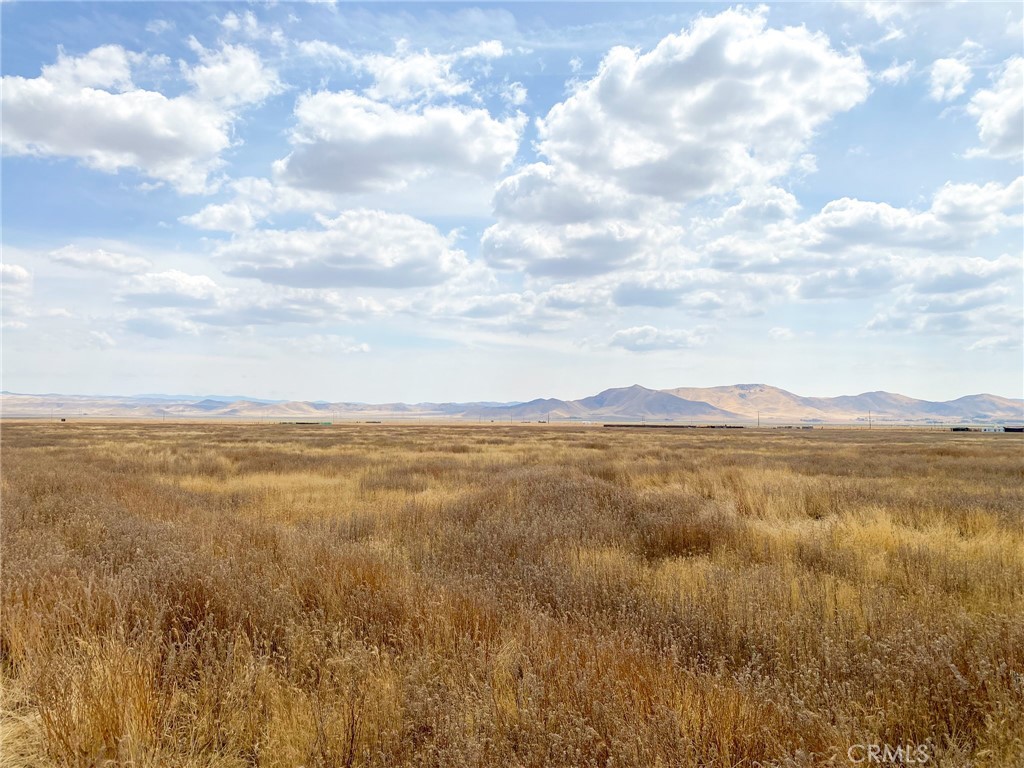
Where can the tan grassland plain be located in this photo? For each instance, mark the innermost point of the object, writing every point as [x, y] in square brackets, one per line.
[230, 595]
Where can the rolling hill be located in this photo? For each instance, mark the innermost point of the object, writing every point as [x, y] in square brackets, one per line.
[740, 403]
[774, 404]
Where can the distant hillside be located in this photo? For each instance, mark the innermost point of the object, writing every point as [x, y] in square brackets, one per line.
[637, 401]
[534, 410]
[623, 403]
[747, 400]
[774, 404]
[728, 404]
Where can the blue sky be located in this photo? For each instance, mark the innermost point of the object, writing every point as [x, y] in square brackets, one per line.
[448, 202]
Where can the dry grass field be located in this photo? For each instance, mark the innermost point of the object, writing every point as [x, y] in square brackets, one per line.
[218, 595]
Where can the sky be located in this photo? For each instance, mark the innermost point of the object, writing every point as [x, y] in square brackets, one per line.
[450, 202]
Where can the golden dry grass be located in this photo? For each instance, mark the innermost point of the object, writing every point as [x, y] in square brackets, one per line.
[215, 595]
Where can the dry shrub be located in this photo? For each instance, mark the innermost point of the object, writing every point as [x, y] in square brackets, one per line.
[681, 524]
[101, 704]
[390, 477]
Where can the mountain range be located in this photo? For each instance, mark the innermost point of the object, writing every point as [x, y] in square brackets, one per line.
[740, 403]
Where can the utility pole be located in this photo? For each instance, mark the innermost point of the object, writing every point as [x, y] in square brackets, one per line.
[759, 419]
[869, 419]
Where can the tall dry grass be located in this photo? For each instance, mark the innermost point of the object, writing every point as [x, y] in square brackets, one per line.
[214, 595]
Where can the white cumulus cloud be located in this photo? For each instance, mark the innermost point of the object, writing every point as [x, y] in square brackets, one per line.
[232, 76]
[406, 74]
[949, 79]
[999, 111]
[99, 259]
[171, 288]
[719, 109]
[356, 248]
[345, 142]
[727, 103]
[88, 108]
[13, 276]
[647, 338]
[897, 73]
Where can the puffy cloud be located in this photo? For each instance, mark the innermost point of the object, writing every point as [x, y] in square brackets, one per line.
[722, 107]
[658, 288]
[514, 93]
[975, 298]
[574, 250]
[408, 75]
[235, 216]
[14, 276]
[357, 248]
[324, 52]
[345, 142]
[175, 303]
[159, 324]
[486, 49]
[232, 76]
[700, 291]
[527, 311]
[297, 307]
[254, 199]
[412, 76]
[232, 22]
[544, 193]
[949, 79]
[756, 208]
[959, 214]
[862, 280]
[895, 73]
[946, 303]
[918, 264]
[87, 108]
[958, 217]
[647, 338]
[108, 66]
[1000, 113]
[934, 294]
[172, 288]
[422, 75]
[726, 104]
[576, 296]
[981, 209]
[99, 259]
[880, 11]
[949, 275]
[988, 318]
